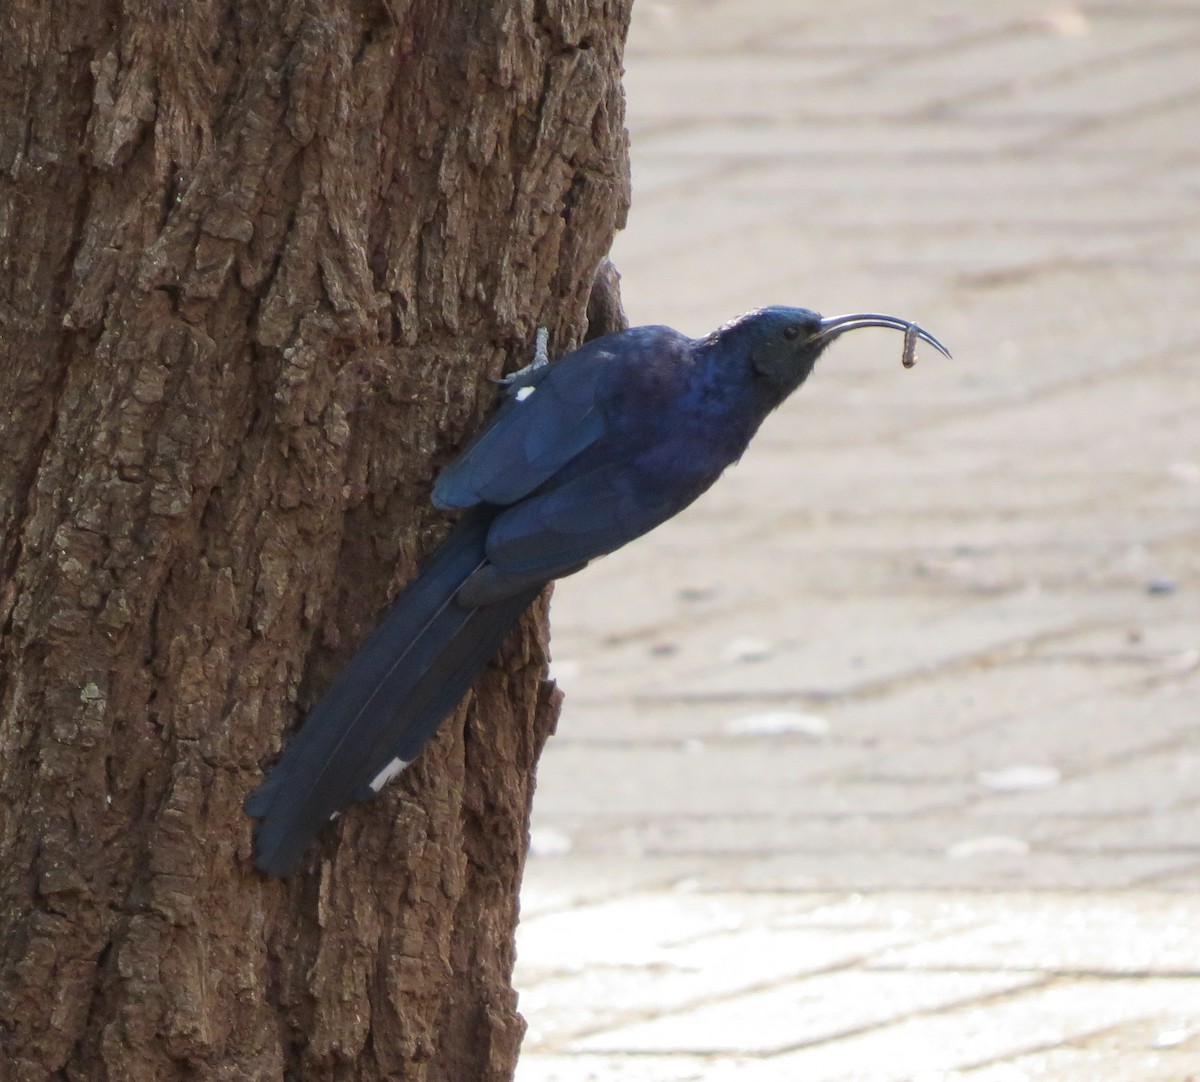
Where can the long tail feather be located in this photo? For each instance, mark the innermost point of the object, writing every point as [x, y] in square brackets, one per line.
[412, 671]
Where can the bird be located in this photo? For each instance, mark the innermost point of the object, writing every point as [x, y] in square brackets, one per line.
[582, 456]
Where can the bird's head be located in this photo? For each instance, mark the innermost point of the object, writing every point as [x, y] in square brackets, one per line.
[783, 344]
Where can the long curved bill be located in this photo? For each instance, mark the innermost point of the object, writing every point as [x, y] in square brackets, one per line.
[832, 326]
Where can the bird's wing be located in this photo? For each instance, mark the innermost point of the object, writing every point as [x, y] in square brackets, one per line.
[545, 422]
[555, 533]
[549, 417]
[587, 517]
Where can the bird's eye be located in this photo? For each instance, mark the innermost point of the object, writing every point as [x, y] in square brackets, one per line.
[791, 331]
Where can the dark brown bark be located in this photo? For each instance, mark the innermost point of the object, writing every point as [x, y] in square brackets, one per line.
[258, 262]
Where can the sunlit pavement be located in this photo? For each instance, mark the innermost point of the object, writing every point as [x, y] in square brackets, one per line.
[881, 761]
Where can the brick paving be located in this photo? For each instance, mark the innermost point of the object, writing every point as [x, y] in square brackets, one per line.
[881, 761]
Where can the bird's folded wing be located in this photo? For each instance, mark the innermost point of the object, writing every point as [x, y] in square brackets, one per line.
[587, 517]
[546, 421]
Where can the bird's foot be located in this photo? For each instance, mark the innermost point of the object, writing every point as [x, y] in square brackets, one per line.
[541, 358]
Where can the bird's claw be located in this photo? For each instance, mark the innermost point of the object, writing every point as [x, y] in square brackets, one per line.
[541, 358]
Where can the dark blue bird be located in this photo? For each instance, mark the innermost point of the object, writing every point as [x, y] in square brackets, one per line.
[582, 456]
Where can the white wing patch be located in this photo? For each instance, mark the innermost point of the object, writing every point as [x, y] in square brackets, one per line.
[524, 393]
[387, 773]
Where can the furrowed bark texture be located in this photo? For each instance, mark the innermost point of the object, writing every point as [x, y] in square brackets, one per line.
[259, 260]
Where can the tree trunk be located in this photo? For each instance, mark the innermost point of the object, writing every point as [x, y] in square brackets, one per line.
[258, 262]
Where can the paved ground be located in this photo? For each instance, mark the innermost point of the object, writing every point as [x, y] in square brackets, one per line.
[882, 761]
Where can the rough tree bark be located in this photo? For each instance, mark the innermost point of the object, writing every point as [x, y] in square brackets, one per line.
[259, 260]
